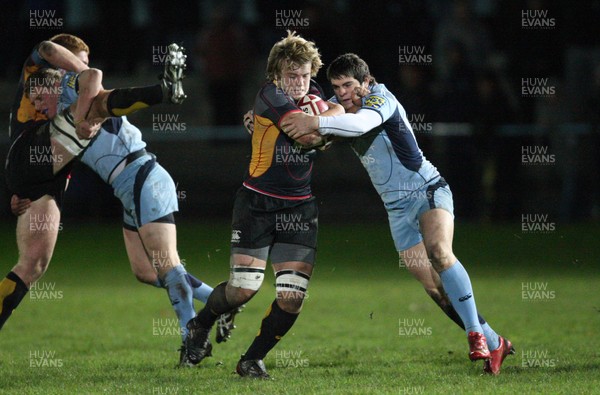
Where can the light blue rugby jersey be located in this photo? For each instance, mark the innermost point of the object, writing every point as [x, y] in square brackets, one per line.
[390, 152]
[116, 139]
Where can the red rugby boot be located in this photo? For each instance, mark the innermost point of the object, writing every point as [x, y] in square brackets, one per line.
[478, 348]
[492, 365]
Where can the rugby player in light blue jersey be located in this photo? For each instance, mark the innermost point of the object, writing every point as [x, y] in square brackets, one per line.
[149, 198]
[417, 198]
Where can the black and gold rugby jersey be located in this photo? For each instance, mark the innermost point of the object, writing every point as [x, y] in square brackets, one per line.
[278, 168]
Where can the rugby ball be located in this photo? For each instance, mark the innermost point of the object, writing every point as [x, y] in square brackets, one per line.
[312, 105]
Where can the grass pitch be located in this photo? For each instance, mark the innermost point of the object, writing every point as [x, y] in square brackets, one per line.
[367, 326]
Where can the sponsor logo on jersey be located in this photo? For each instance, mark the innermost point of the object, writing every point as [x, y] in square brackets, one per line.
[374, 102]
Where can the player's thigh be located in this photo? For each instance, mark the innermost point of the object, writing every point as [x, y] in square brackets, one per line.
[138, 259]
[404, 224]
[295, 233]
[37, 231]
[155, 197]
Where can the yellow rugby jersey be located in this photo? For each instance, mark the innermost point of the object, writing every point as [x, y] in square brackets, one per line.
[23, 113]
[278, 168]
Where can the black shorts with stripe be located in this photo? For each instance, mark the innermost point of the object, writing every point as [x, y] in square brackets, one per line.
[29, 166]
[261, 221]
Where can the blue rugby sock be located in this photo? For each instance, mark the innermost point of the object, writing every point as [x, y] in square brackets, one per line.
[157, 283]
[457, 285]
[201, 290]
[491, 336]
[181, 296]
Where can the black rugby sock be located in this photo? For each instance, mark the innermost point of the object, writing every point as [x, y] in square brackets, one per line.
[12, 291]
[274, 326]
[215, 306]
[124, 101]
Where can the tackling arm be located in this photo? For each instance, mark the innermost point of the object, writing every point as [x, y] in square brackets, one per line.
[90, 85]
[350, 125]
[60, 57]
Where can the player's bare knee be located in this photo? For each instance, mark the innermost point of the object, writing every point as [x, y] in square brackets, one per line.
[32, 268]
[290, 302]
[291, 286]
[244, 281]
[238, 296]
[146, 277]
[440, 256]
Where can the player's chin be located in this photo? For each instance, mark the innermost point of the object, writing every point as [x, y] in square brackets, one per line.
[297, 95]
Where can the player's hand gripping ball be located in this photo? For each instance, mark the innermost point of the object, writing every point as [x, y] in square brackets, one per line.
[313, 105]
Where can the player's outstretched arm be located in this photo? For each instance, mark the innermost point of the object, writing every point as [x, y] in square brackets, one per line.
[90, 85]
[350, 125]
[61, 57]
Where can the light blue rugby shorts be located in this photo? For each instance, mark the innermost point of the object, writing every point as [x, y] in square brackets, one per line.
[404, 214]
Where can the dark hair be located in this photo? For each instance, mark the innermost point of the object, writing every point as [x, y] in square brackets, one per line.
[350, 65]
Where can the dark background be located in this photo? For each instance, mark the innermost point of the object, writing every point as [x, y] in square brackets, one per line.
[474, 118]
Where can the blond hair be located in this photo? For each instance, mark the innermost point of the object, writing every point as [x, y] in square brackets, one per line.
[292, 50]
